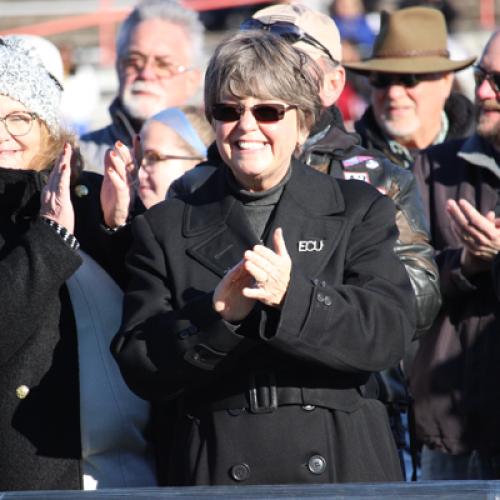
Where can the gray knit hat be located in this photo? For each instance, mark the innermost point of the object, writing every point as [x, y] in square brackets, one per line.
[24, 78]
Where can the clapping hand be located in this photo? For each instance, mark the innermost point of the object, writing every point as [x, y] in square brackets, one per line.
[263, 275]
[228, 299]
[479, 234]
[118, 185]
[55, 198]
[271, 271]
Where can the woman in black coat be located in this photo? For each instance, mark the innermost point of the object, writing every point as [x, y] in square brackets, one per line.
[66, 420]
[259, 304]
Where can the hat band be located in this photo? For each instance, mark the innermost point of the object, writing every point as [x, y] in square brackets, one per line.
[412, 53]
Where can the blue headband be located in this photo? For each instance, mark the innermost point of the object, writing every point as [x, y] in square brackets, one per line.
[177, 120]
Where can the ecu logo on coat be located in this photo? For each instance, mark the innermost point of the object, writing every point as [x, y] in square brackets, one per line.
[311, 245]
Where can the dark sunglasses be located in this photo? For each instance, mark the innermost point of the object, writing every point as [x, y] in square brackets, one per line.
[493, 77]
[289, 31]
[265, 113]
[384, 80]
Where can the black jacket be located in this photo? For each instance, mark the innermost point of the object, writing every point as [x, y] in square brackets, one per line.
[335, 327]
[455, 374]
[460, 113]
[39, 390]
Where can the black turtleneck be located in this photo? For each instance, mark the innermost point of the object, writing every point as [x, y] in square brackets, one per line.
[259, 205]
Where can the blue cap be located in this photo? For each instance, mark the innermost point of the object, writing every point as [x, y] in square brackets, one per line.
[178, 121]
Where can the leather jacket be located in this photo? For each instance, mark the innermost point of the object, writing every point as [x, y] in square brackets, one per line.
[338, 153]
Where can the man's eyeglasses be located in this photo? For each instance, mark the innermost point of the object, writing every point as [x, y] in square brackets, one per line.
[493, 77]
[18, 123]
[152, 157]
[384, 80]
[288, 31]
[135, 62]
[265, 113]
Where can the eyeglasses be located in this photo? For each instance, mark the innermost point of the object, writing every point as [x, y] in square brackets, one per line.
[493, 77]
[152, 157]
[18, 123]
[384, 80]
[265, 113]
[289, 31]
[135, 62]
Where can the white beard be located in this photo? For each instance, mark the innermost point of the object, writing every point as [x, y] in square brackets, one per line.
[142, 107]
[399, 131]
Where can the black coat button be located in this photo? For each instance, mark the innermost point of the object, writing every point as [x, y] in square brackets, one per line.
[320, 297]
[328, 300]
[316, 464]
[240, 472]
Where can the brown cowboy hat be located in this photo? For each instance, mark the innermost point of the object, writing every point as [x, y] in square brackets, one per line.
[411, 40]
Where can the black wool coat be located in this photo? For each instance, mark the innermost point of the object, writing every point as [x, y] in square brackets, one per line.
[277, 398]
[39, 387]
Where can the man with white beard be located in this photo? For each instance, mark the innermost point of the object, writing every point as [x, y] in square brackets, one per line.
[159, 53]
[455, 374]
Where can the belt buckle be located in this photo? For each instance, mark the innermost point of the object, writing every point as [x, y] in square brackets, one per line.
[262, 392]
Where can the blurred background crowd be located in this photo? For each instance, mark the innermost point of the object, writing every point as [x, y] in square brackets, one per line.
[84, 31]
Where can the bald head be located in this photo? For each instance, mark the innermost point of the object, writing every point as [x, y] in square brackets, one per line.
[492, 46]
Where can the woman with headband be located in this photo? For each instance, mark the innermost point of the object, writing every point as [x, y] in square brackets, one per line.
[170, 143]
[173, 142]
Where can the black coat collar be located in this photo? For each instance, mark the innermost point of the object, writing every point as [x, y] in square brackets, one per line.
[211, 204]
[216, 222]
[20, 191]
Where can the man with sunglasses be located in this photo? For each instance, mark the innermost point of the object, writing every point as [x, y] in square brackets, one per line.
[456, 370]
[159, 53]
[411, 75]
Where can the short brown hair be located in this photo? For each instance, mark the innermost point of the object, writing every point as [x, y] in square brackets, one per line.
[260, 64]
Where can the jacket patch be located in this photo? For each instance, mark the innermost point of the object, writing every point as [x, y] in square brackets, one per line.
[311, 245]
[356, 160]
[360, 176]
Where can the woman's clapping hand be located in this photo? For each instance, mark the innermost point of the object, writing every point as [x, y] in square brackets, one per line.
[271, 271]
[55, 198]
[263, 275]
[117, 191]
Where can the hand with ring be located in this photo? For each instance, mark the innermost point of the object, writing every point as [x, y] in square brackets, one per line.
[271, 270]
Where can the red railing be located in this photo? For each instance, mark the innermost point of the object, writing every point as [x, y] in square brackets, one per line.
[487, 14]
[107, 17]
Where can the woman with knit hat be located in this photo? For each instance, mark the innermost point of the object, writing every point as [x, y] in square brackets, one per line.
[66, 416]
